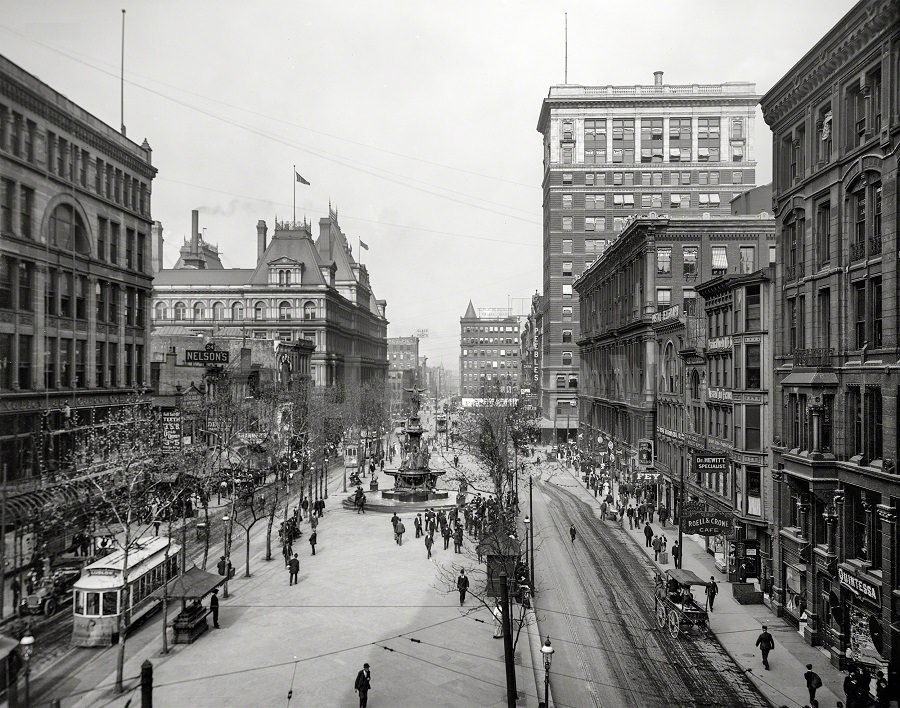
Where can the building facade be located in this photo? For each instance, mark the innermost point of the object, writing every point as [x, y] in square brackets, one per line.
[530, 356]
[403, 367]
[75, 276]
[835, 117]
[488, 354]
[614, 151]
[300, 288]
[641, 316]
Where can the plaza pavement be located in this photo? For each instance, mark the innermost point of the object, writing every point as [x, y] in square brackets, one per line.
[737, 626]
[361, 599]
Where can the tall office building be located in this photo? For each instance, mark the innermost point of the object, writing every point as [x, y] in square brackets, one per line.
[489, 354]
[611, 152]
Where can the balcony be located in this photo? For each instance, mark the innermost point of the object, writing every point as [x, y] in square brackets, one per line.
[858, 251]
[875, 246]
[817, 358]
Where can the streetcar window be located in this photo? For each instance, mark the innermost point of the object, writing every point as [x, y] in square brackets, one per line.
[79, 602]
[92, 603]
[109, 603]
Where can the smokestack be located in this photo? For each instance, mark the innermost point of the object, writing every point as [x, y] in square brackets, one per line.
[260, 240]
[657, 78]
[195, 231]
[156, 247]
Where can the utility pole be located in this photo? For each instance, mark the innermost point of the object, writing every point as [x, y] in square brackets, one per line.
[511, 693]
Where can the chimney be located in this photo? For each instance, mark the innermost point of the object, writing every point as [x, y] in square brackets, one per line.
[260, 240]
[156, 247]
[657, 78]
[195, 231]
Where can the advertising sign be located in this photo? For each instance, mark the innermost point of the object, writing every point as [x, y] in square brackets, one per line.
[645, 452]
[171, 430]
[209, 356]
[710, 463]
[707, 523]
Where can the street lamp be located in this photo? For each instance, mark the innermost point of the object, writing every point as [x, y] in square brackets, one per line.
[27, 646]
[547, 652]
[325, 480]
[529, 541]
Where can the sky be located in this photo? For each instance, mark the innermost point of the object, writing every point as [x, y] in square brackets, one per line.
[416, 120]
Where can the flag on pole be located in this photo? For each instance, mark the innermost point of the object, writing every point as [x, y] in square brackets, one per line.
[363, 244]
[300, 178]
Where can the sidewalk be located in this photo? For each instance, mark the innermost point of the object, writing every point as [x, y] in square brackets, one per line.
[736, 627]
[360, 599]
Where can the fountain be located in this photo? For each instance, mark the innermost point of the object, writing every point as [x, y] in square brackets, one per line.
[415, 483]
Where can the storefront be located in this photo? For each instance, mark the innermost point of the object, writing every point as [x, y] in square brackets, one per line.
[863, 631]
[795, 596]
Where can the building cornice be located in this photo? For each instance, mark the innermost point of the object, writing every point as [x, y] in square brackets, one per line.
[853, 36]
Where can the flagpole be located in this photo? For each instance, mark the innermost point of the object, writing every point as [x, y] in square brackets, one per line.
[295, 196]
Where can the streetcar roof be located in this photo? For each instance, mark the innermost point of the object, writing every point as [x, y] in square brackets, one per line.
[107, 571]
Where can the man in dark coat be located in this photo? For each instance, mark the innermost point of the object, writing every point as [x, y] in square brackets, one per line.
[417, 522]
[813, 684]
[648, 535]
[766, 644]
[429, 540]
[445, 532]
[712, 589]
[676, 554]
[458, 539]
[462, 584]
[313, 538]
[294, 567]
[362, 685]
[214, 607]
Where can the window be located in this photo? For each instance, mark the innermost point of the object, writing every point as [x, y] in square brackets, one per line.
[180, 311]
[567, 336]
[719, 260]
[113, 359]
[748, 259]
[824, 315]
[664, 260]
[754, 367]
[858, 290]
[81, 286]
[567, 268]
[560, 381]
[737, 129]
[24, 372]
[50, 363]
[114, 304]
[259, 311]
[567, 291]
[113, 243]
[7, 200]
[567, 358]
[65, 294]
[567, 245]
[567, 314]
[160, 312]
[567, 153]
[567, 201]
[663, 299]
[26, 208]
[618, 178]
[680, 201]
[567, 130]
[708, 139]
[101, 238]
[199, 310]
[567, 178]
[873, 424]
[623, 140]
[595, 201]
[753, 321]
[823, 233]
[567, 223]
[753, 427]
[25, 276]
[218, 311]
[237, 312]
[680, 140]
[689, 260]
[284, 310]
[309, 310]
[875, 311]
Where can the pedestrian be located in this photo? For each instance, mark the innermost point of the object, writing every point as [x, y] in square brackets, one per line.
[287, 550]
[650, 511]
[882, 697]
[458, 539]
[362, 685]
[851, 688]
[313, 539]
[462, 584]
[676, 554]
[572, 533]
[742, 572]
[362, 502]
[429, 541]
[445, 532]
[655, 545]
[321, 507]
[712, 589]
[648, 535]
[401, 529]
[603, 509]
[417, 523]
[456, 460]
[304, 504]
[221, 566]
[764, 641]
[813, 683]
[214, 607]
[313, 521]
[663, 515]
[630, 514]
[294, 566]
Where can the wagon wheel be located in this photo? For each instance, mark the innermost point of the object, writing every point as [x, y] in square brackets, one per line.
[660, 614]
[49, 606]
[674, 624]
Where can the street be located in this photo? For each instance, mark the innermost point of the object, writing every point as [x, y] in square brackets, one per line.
[595, 602]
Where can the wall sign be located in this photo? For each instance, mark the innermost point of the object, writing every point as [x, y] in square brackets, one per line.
[868, 590]
[710, 463]
[205, 357]
[707, 523]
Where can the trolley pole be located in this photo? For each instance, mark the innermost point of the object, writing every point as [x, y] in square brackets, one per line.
[511, 693]
[680, 516]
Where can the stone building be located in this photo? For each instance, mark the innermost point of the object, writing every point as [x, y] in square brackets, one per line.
[611, 152]
[489, 354]
[835, 117]
[300, 288]
[403, 371]
[640, 317]
[74, 287]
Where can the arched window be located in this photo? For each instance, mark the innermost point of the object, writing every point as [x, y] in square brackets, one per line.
[180, 311]
[284, 310]
[160, 312]
[66, 230]
[199, 311]
[237, 312]
[309, 310]
[259, 311]
[669, 363]
[218, 312]
[695, 385]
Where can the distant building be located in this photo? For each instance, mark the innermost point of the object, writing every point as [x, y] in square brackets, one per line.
[489, 354]
[403, 371]
[757, 200]
[835, 118]
[75, 283]
[530, 356]
[611, 152]
[300, 288]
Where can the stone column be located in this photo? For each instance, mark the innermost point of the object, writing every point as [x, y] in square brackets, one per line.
[91, 353]
[724, 142]
[695, 139]
[777, 596]
[40, 326]
[803, 509]
[887, 517]
[816, 422]
[666, 140]
[120, 331]
[637, 139]
[869, 510]
[831, 519]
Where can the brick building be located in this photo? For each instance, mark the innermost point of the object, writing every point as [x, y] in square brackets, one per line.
[403, 371]
[488, 354]
[300, 288]
[614, 151]
[835, 117]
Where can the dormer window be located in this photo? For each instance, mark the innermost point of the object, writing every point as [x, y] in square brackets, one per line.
[284, 277]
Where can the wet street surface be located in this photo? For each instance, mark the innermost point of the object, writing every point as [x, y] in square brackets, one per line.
[595, 599]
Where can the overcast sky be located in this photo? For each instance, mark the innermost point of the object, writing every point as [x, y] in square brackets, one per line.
[416, 119]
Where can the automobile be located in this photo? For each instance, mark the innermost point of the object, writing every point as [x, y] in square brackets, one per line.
[52, 591]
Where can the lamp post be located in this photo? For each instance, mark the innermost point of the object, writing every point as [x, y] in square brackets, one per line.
[325, 479]
[547, 652]
[27, 647]
[225, 521]
[529, 557]
[530, 526]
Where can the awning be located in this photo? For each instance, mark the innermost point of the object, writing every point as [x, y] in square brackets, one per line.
[195, 584]
[719, 259]
[25, 507]
[810, 378]
[546, 423]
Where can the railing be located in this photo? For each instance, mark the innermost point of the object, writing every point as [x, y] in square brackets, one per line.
[875, 246]
[857, 251]
[813, 357]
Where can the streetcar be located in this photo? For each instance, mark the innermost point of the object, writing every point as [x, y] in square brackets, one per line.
[351, 456]
[440, 425]
[102, 594]
[676, 608]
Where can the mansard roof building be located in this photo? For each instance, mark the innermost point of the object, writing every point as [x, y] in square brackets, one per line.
[300, 288]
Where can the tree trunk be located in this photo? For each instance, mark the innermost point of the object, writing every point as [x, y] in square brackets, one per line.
[247, 553]
[206, 540]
